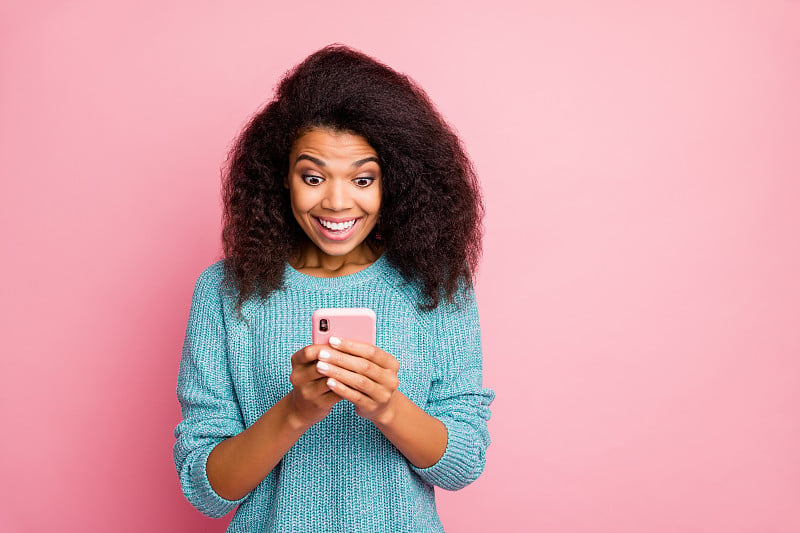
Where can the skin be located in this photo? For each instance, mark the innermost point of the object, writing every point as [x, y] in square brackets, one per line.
[333, 176]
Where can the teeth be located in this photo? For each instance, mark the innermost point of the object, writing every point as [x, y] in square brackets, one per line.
[337, 226]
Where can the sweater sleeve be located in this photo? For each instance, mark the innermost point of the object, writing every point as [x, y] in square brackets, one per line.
[457, 396]
[205, 392]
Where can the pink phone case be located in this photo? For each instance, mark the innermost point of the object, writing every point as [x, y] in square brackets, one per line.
[357, 323]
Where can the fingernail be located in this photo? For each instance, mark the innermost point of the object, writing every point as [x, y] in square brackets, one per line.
[323, 366]
[335, 341]
[324, 355]
[332, 382]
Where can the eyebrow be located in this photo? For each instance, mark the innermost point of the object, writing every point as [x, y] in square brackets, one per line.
[360, 162]
[322, 163]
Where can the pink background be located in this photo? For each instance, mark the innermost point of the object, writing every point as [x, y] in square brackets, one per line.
[640, 292]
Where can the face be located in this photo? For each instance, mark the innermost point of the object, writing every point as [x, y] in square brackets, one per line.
[334, 184]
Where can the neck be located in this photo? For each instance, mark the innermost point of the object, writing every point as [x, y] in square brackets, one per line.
[313, 261]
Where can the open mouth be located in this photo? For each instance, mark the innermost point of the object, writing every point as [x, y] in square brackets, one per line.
[336, 229]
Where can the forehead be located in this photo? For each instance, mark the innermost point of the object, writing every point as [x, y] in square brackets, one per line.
[332, 145]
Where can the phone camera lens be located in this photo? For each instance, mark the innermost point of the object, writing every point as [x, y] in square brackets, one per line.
[323, 324]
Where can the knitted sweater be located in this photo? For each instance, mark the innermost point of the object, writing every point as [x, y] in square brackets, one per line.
[342, 475]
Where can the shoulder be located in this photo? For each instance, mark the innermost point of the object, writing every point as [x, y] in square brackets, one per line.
[462, 306]
[394, 281]
[404, 292]
[210, 282]
[212, 274]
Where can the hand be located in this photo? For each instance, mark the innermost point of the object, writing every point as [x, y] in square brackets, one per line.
[363, 374]
[311, 398]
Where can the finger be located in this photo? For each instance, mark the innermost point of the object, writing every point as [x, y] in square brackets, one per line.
[302, 374]
[306, 355]
[314, 389]
[365, 350]
[355, 397]
[357, 382]
[356, 364]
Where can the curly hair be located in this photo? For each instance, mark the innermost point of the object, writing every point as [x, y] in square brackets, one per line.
[431, 208]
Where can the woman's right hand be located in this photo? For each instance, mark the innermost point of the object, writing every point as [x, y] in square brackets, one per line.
[311, 398]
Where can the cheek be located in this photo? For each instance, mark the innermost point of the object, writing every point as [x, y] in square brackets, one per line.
[375, 206]
[300, 200]
[375, 202]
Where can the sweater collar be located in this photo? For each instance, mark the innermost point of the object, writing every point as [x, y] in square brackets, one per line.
[297, 279]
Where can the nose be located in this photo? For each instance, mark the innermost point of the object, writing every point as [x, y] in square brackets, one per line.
[336, 197]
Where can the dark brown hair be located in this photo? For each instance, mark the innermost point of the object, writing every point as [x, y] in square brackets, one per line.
[431, 211]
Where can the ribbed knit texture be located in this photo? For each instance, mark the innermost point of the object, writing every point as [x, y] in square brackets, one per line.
[342, 475]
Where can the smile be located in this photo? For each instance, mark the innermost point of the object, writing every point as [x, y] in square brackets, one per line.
[337, 226]
[336, 230]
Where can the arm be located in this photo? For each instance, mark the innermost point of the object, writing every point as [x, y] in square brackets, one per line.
[238, 464]
[205, 392]
[366, 376]
[421, 438]
[457, 397]
[219, 461]
[446, 441]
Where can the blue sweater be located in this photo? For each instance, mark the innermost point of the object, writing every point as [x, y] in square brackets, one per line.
[342, 475]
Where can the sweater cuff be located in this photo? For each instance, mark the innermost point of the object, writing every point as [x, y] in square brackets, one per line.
[461, 463]
[210, 503]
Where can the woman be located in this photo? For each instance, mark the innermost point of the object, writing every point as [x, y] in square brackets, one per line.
[347, 190]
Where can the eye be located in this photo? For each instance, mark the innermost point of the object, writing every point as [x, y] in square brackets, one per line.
[364, 181]
[311, 179]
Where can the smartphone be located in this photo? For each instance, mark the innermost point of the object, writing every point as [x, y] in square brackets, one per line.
[356, 323]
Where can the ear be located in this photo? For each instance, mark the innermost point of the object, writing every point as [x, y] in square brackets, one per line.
[286, 182]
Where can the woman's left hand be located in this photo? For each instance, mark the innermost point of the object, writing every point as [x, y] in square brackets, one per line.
[364, 375]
